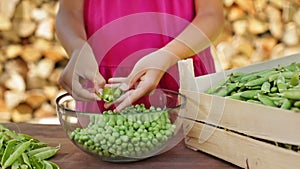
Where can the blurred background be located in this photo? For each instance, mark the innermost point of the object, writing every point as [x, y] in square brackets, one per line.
[31, 58]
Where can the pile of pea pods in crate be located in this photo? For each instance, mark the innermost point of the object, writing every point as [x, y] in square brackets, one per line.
[248, 116]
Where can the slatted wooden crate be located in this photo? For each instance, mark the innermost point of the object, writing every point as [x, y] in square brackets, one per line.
[239, 132]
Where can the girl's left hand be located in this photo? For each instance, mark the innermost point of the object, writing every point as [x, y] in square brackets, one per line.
[144, 77]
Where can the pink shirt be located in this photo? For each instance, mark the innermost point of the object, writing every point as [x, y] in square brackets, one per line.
[122, 31]
[151, 23]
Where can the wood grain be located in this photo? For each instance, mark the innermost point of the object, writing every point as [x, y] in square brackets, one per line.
[70, 157]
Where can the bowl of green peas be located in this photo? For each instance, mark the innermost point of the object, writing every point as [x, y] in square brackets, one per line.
[147, 128]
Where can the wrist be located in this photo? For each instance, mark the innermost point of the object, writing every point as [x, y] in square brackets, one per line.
[166, 58]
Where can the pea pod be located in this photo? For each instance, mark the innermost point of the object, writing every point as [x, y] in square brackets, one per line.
[256, 82]
[286, 104]
[291, 94]
[46, 154]
[287, 75]
[281, 85]
[110, 94]
[16, 154]
[47, 165]
[9, 149]
[250, 94]
[265, 100]
[254, 101]
[225, 90]
[38, 150]
[297, 104]
[216, 86]
[266, 87]
[26, 160]
[54, 165]
[295, 79]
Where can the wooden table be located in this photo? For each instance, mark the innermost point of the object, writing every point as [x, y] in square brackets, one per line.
[71, 157]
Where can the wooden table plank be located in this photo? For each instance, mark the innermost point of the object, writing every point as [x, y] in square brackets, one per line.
[71, 157]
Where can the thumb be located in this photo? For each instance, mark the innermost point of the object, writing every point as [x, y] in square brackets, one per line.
[97, 79]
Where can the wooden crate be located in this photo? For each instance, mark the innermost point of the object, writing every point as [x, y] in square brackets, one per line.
[236, 131]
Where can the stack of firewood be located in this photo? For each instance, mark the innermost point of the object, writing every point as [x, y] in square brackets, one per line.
[31, 59]
[258, 30]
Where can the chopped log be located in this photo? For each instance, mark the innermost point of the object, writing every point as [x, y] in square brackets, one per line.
[15, 82]
[5, 23]
[278, 3]
[296, 17]
[22, 113]
[240, 27]
[266, 44]
[13, 98]
[246, 5]
[45, 29]
[55, 53]
[288, 12]
[35, 98]
[7, 8]
[275, 21]
[290, 36]
[12, 51]
[240, 60]
[42, 45]
[5, 115]
[235, 13]
[243, 46]
[46, 110]
[38, 14]
[25, 27]
[31, 54]
[291, 50]
[50, 91]
[11, 36]
[23, 10]
[35, 82]
[228, 3]
[256, 26]
[44, 68]
[277, 51]
[17, 65]
[260, 5]
[55, 75]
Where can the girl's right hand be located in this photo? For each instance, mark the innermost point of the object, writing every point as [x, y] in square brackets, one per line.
[82, 68]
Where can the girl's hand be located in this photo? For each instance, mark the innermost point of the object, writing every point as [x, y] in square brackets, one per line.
[144, 77]
[82, 68]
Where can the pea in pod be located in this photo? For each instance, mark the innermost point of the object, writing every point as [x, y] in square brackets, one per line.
[110, 94]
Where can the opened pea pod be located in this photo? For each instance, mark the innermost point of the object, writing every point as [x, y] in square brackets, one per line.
[109, 94]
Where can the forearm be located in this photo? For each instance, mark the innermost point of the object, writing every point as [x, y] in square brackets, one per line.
[203, 30]
[70, 25]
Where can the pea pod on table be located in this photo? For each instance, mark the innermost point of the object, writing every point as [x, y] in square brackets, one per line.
[18, 151]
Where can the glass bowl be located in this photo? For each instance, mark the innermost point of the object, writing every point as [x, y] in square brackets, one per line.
[148, 128]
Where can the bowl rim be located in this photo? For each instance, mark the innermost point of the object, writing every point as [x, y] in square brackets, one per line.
[182, 104]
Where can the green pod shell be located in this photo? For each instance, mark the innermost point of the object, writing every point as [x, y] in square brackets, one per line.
[256, 82]
[265, 100]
